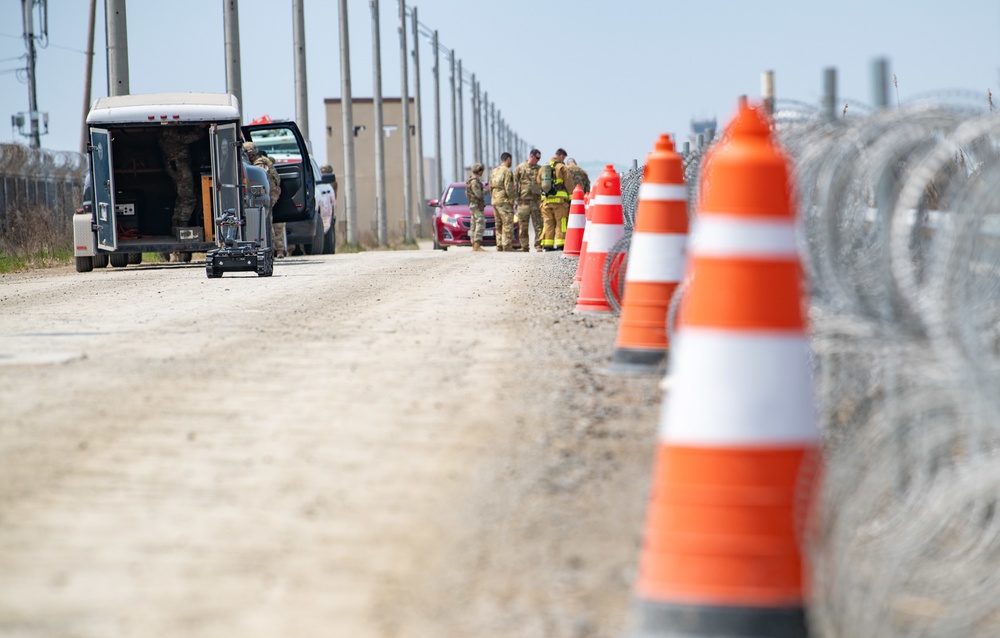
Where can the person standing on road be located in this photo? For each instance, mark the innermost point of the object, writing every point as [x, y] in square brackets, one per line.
[580, 177]
[529, 199]
[274, 180]
[504, 194]
[477, 202]
[555, 202]
[176, 146]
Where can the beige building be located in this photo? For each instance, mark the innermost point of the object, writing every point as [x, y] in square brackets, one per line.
[364, 165]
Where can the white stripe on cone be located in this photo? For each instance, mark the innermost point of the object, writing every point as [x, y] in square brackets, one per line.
[731, 236]
[576, 220]
[606, 200]
[656, 257]
[603, 236]
[739, 388]
[663, 192]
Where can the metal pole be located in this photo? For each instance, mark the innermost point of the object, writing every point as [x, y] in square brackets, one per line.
[301, 89]
[493, 129]
[347, 119]
[439, 172]
[461, 123]
[231, 26]
[830, 93]
[454, 123]
[27, 7]
[474, 114]
[487, 147]
[404, 102]
[88, 76]
[767, 91]
[117, 42]
[880, 82]
[421, 195]
[383, 236]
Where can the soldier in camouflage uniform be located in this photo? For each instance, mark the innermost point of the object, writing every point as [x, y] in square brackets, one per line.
[529, 198]
[580, 176]
[477, 202]
[176, 146]
[274, 183]
[504, 194]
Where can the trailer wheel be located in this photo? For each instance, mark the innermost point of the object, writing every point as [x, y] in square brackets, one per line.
[100, 260]
[84, 264]
[135, 258]
[184, 257]
[118, 260]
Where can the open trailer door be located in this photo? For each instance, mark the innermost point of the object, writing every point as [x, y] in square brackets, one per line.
[225, 170]
[103, 179]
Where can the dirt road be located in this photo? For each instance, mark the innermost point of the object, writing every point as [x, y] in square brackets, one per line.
[387, 444]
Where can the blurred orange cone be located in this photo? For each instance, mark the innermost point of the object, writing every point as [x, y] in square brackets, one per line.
[655, 263]
[575, 225]
[738, 434]
[607, 226]
[586, 234]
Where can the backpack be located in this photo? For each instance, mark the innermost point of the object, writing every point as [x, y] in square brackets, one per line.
[546, 176]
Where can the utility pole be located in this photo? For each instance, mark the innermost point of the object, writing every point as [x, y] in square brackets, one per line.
[474, 115]
[405, 104]
[493, 129]
[28, 17]
[116, 36]
[231, 26]
[461, 124]
[383, 237]
[347, 119]
[454, 124]
[421, 195]
[437, 116]
[485, 107]
[301, 89]
[88, 76]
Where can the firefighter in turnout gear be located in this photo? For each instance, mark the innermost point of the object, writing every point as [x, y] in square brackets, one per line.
[556, 184]
[477, 202]
[529, 198]
[504, 194]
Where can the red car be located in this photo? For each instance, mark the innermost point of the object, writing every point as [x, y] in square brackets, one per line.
[452, 220]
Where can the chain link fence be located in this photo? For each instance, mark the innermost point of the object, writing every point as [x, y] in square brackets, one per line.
[38, 183]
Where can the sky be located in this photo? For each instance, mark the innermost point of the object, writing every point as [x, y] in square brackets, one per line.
[600, 79]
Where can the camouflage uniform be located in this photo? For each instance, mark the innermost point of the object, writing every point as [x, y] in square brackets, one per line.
[477, 201]
[274, 190]
[175, 144]
[555, 208]
[504, 196]
[580, 177]
[529, 197]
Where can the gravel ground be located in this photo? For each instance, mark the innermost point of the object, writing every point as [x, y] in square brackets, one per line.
[396, 444]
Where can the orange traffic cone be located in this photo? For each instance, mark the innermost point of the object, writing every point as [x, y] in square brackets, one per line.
[586, 235]
[577, 222]
[655, 263]
[607, 226]
[721, 555]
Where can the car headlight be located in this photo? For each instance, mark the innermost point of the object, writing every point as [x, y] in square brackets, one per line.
[449, 220]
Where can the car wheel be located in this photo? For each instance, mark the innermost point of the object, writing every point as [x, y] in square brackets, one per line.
[135, 258]
[437, 245]
[100, 260]
[316, 247]
[330, 239]
[84, 264]
[118, 260]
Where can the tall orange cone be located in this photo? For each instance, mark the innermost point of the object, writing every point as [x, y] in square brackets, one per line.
[607, 226]
[721, 555]
[586, 234]
[575, 225]
[655, 263]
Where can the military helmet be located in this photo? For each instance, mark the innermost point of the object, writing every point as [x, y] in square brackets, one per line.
[250, 148]
[326, 168]
[478, 168]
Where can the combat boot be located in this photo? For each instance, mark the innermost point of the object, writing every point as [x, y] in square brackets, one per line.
[477, 247]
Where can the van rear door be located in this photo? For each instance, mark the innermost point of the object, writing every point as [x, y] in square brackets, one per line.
[225, 170]
[102, 176]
